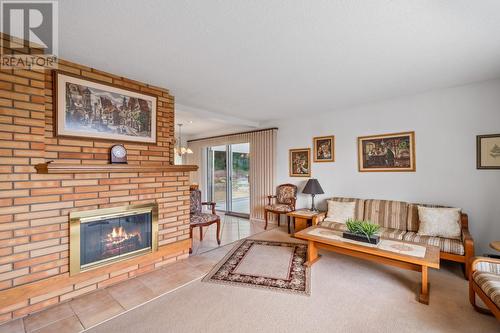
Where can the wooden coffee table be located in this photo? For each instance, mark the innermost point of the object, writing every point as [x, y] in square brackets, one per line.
[412, 256]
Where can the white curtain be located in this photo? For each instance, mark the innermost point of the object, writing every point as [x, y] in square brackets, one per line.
[262, 164]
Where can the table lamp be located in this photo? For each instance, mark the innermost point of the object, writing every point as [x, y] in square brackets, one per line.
[313, 187]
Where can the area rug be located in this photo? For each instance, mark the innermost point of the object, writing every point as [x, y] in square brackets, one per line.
[270, 265]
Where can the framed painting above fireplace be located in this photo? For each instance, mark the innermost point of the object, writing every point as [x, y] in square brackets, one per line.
[91, 109]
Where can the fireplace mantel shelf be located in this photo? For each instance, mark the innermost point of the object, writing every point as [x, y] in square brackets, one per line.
[54, 168]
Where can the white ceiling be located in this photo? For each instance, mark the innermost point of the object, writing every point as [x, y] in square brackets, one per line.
[198, 123]
[270, 59]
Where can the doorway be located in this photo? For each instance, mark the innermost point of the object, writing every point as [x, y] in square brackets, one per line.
[228, 178]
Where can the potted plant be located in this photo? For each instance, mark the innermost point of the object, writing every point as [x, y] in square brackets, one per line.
[362, 231]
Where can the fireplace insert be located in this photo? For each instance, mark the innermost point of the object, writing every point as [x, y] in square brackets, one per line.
[105, 235]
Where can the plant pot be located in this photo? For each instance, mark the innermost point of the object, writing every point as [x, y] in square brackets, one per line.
[361, 238]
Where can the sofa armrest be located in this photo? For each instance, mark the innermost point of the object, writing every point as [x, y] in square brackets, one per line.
[484, 264]
[319, 218]
[468, 249]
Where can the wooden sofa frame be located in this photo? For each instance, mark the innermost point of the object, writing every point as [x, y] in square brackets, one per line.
[474, 289]
[468, 248]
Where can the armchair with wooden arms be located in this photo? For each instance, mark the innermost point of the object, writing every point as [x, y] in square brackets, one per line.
[286, 196]
[484, 281]
[197, 218]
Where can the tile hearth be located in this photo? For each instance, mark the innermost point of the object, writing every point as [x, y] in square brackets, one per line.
[96, 307]
[91, 309]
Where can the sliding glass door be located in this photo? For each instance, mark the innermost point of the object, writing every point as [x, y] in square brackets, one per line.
[228, 183]
[217, 176]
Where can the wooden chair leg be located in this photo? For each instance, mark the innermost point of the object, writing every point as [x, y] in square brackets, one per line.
[218, 232]
[278, 219]
[288, 222]
[201, 233]
[191, 237]
[265, 219]
[472, 295]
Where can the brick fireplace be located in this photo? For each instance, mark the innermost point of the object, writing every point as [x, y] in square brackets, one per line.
[37, 198]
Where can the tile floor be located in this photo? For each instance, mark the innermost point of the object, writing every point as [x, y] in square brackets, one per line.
[91, 309]
[232, 229]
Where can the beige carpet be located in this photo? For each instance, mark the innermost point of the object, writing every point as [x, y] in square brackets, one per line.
[347, 295]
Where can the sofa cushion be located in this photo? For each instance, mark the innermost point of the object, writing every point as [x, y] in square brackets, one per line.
[331, 224]
[440, 222]
[489, 284]
[392, 233]
[489, 267]
[448, 245]
[340, 211]
[387, 213]
[413, 221]
[360, 206]
[383, 232]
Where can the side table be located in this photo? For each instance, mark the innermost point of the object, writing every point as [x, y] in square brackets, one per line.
[302, 217]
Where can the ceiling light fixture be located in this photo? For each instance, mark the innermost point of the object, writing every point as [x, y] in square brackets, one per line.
[180, 149]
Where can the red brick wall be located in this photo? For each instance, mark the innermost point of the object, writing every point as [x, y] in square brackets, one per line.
[34, 208]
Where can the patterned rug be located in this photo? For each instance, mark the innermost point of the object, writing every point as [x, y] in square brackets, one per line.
[264, 264]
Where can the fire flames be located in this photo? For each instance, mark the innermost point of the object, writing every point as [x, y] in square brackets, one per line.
[119, 235]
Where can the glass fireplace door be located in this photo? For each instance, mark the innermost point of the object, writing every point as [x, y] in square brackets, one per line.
[114, 237]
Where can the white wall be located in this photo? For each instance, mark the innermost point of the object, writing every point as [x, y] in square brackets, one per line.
[445, 122]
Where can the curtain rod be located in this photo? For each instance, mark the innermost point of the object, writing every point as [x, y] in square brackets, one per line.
[221, 136]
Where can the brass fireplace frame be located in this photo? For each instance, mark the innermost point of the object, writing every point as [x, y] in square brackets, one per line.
[76, 218]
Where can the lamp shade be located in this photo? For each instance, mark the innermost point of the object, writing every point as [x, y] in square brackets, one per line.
[313, 187]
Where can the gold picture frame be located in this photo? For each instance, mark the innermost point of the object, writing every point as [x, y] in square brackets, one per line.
[299, 161]
[324, 148]
[393, 152]
[89, 109]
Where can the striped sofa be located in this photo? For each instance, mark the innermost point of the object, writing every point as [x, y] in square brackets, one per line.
[399, 220]
[484, 282]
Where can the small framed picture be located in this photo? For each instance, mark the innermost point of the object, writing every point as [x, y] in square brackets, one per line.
[324, 148]
[488, 151]
[387, 152]
[300, 162]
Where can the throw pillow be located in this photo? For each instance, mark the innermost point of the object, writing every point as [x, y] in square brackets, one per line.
[439, 222]
[340, 211]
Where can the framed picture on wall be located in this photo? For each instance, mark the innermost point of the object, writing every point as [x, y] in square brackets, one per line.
[488, 151]
[88, 109]
[300, 162]
[324, 148]
[387, 152]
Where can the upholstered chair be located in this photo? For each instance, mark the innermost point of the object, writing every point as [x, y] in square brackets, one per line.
[285, 198]
[484, 281]
[197, 218]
